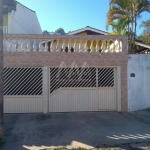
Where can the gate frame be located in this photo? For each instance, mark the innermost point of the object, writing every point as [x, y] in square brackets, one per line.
[46, 86]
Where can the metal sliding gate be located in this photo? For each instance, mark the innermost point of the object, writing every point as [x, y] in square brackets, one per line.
[82, 89]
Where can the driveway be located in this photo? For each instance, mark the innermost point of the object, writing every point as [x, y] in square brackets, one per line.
[71, 130]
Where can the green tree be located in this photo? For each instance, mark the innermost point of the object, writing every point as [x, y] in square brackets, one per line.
[145, 36]
[45, 32]
[119, 28]
[60, 31]
[127, 11]
[146, 25]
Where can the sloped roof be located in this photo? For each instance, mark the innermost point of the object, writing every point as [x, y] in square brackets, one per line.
[25, 6]
[142, 45]
[87, 28]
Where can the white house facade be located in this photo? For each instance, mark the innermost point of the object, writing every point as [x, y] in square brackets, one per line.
[21, 20]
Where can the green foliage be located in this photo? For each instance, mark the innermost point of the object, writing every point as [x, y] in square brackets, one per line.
[127, 11]
[119, 28]
[60, 31]
[45, 32]
[144, 39]
[145, 36]
[145, 24]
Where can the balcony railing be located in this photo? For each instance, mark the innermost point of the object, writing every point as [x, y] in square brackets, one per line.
[67, 43]
[5, 29]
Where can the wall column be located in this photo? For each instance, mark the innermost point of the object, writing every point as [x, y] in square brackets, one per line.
[45, 89]
[118, 78]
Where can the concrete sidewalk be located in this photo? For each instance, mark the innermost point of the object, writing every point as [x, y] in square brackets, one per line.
[72, 130]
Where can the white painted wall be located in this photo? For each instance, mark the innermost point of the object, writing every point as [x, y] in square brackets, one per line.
[139, 86]
[23, 21]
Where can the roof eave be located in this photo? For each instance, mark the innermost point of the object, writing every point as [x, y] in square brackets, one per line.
[85, 29]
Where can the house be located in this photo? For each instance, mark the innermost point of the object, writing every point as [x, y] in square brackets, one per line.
[142, 48]
[88, 31]
[85, 44]
[85, 70]
[68, 73]
[19, 19]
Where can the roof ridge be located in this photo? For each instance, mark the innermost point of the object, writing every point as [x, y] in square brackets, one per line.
[103, 32]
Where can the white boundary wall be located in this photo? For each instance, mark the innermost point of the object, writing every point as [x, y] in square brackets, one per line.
[138, 86]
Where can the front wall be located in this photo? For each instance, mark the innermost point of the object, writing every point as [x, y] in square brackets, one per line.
[139, 86]
[27, 59]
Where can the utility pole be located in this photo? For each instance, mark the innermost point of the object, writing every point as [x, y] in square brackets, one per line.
[1, 71]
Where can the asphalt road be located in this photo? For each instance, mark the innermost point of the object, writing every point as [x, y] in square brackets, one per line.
[72, 130]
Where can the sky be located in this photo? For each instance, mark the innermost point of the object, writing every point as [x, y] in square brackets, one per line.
[73, 14]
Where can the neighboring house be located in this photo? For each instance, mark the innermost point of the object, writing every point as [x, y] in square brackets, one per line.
[142, 48]
[19, 19]
[88, 31]
[84, 45]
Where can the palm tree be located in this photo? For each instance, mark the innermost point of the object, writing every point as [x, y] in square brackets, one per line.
[127, 11]
[1, 71]
[139, 6]
[119, 28]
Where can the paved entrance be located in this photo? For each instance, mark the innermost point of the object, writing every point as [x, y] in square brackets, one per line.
[98, 129]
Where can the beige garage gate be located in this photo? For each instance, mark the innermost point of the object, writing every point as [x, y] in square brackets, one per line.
[83, 89]
[23, 89]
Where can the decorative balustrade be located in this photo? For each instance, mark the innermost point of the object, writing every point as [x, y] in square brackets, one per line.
[67, 43]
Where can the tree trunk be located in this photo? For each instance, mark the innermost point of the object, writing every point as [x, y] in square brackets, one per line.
[134, 34]
[132, 28]
[1, 71]
[129, 49]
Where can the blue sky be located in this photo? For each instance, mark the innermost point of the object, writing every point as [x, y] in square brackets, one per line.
[72, 14]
